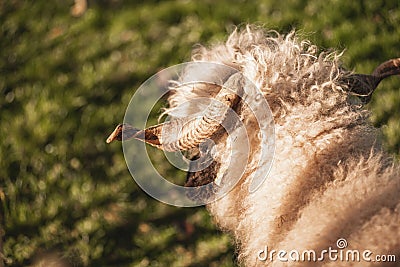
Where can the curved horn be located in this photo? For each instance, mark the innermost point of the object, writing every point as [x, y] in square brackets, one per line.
[125, 131]
[193, 131]
[363, 85]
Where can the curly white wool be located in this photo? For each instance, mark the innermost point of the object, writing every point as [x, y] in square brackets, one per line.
[330, 178]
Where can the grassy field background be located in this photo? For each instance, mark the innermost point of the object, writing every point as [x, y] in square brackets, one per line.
[65, 82]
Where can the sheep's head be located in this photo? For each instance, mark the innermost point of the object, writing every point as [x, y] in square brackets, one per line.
[221, 122]
[288, 74]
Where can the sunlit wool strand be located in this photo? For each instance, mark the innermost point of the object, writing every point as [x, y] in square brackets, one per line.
[330, 178]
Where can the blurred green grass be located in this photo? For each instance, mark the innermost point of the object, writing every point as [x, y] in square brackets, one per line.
[65, 82]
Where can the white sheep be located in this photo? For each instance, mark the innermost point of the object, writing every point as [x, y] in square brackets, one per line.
[330, 179]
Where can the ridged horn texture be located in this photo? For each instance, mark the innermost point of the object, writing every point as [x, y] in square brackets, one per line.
[184, 134]
[363, 85]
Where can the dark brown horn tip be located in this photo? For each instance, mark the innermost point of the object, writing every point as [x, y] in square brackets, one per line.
[363, 85]
[116, 134]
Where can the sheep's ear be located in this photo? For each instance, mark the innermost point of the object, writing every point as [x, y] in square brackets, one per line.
[363, 85]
